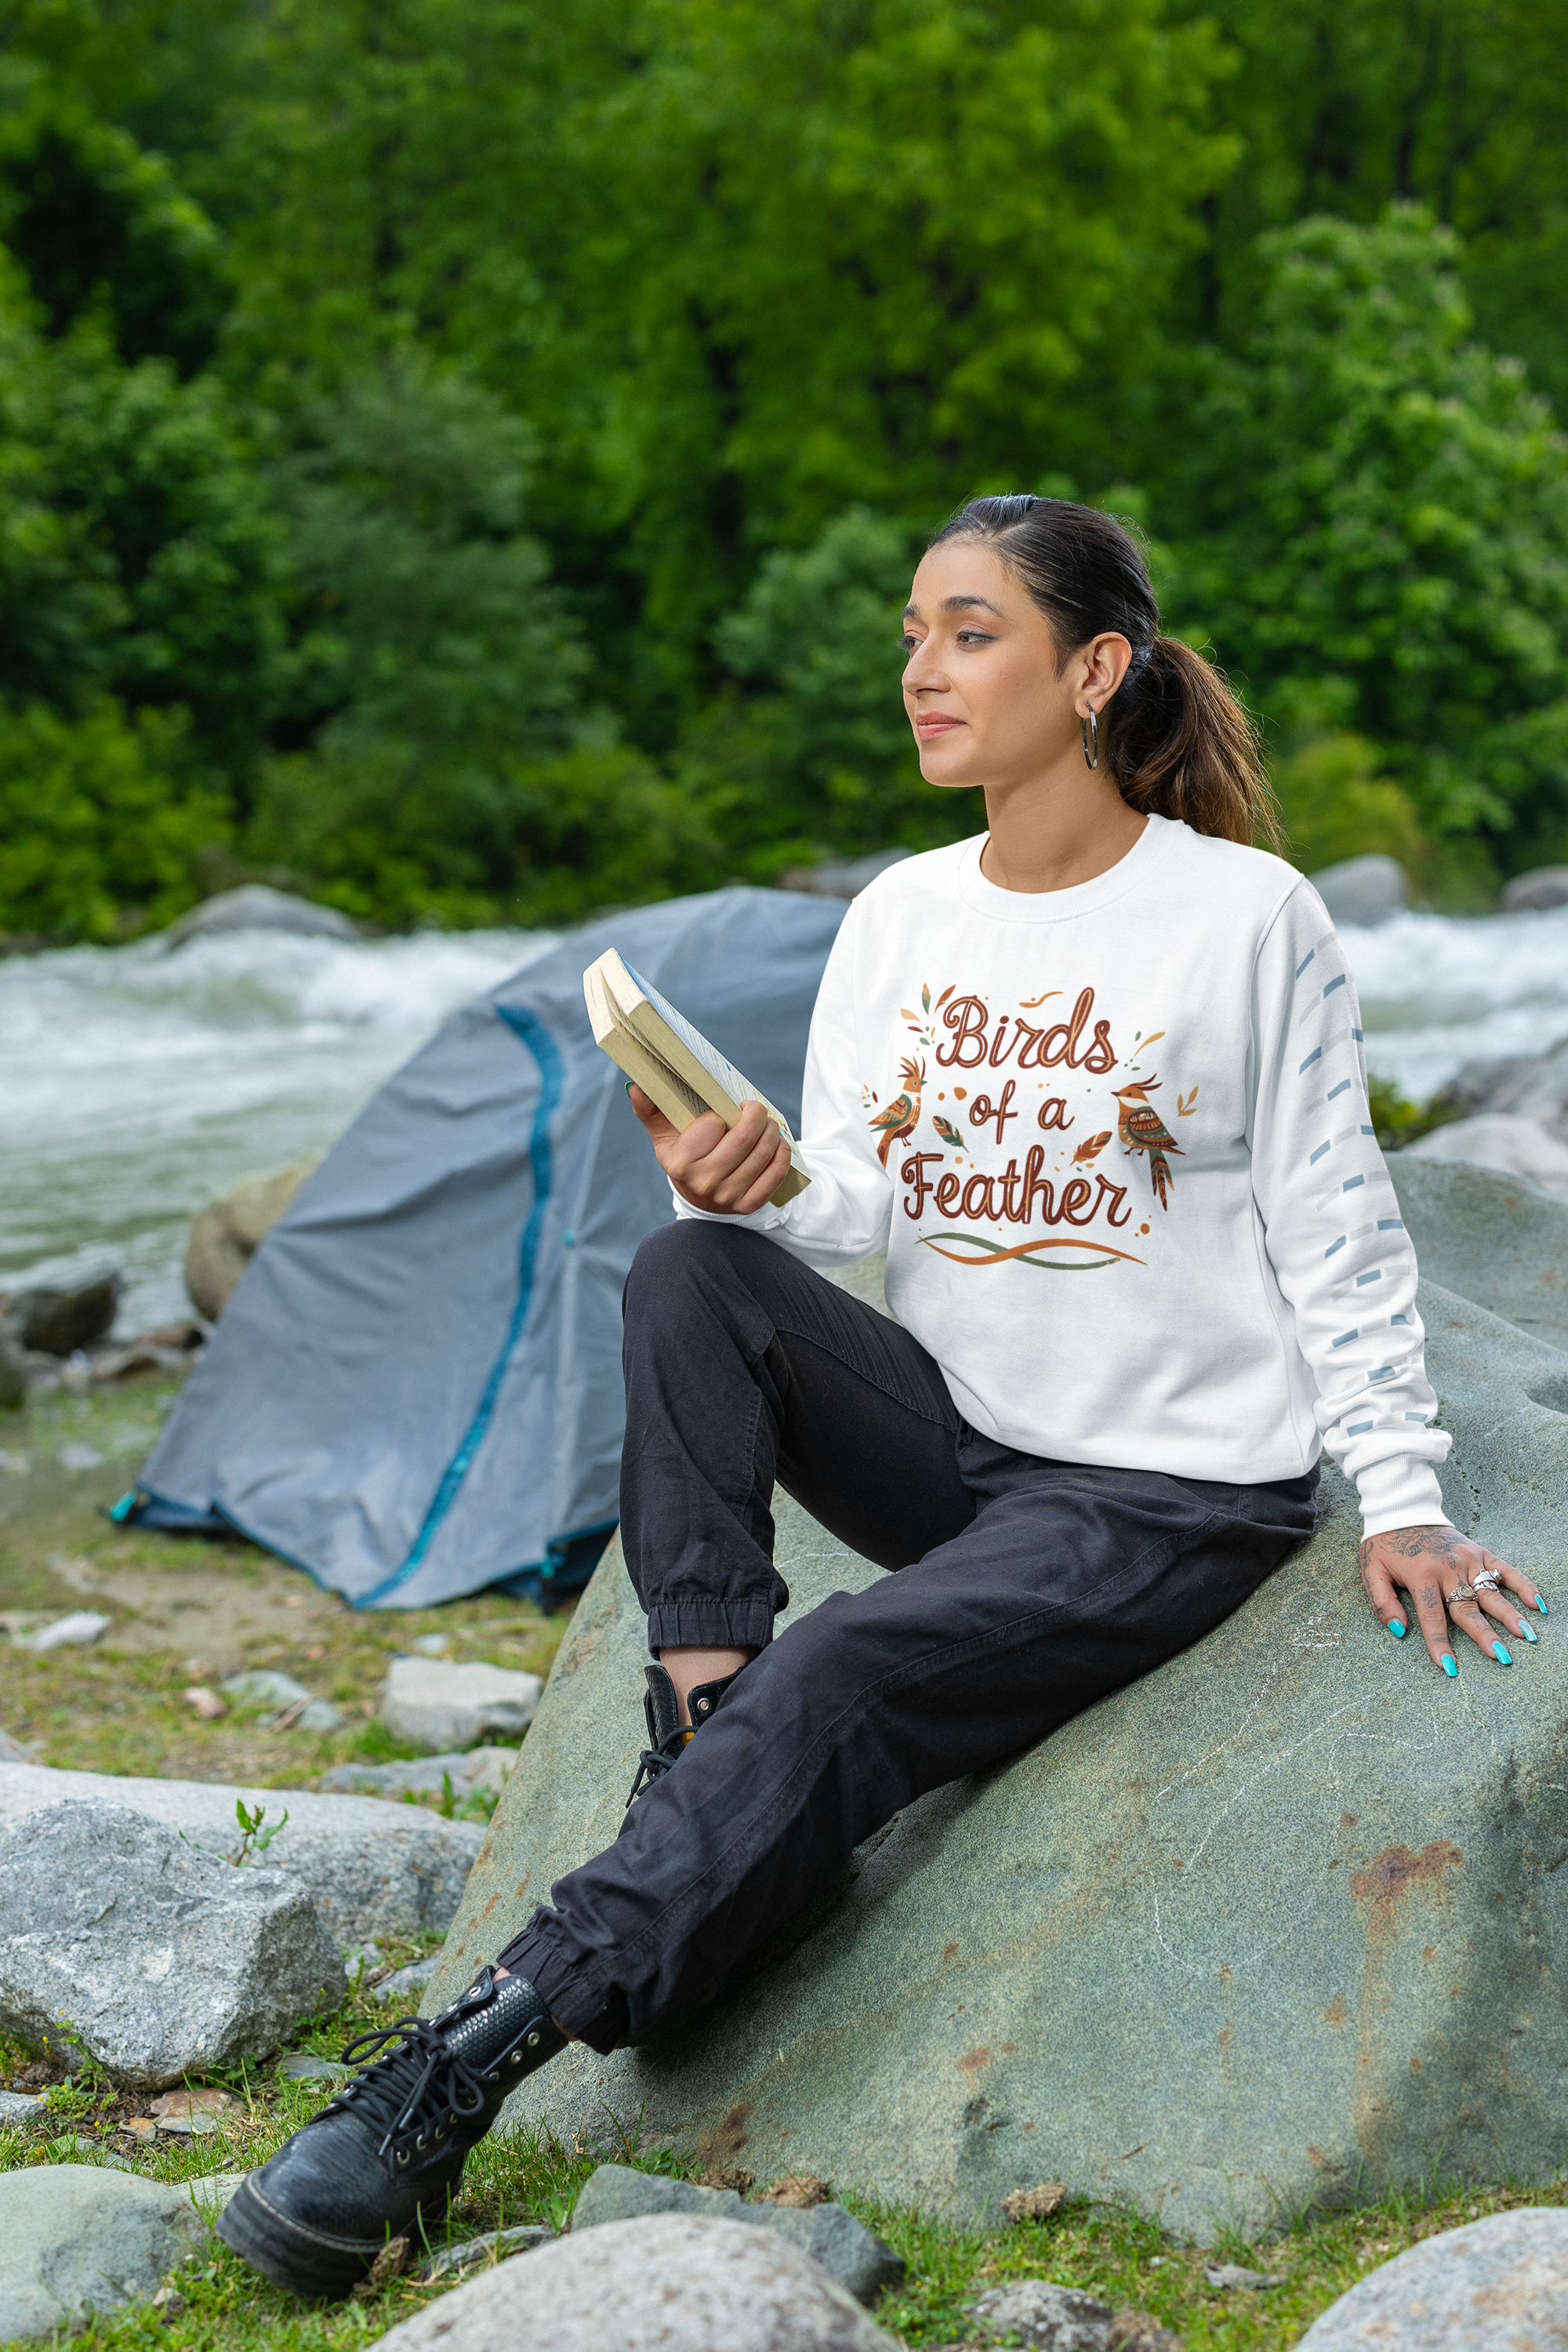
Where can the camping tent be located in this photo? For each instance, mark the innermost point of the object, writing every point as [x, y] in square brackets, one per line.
[416, 1390]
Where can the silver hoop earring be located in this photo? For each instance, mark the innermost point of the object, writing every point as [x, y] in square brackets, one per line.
[1089, 729]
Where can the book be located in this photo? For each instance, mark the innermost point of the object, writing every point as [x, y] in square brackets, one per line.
[672, 1062]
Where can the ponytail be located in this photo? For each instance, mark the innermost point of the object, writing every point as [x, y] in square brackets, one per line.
[1178, 743]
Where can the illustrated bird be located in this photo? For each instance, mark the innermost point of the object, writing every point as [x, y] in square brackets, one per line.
[897, 1122]
[1090, 1148]
[1141, 1128]
[951, 1134]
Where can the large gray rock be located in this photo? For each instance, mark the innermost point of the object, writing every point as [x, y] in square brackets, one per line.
[1361, 889]
[370, 1870]
[1492, 1238]
[56, 1321]
[1045, 2317]
[163, 1961]
[678, 2283]
[75, 2237]
[1501, 1140]
[1321, 1880]
[226, 1234]
[1496, 2285]
[1542, 888]
[256, 907]
[830, 2234]
[440, 1706]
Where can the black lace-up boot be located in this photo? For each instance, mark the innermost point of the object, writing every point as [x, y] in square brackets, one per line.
[390, 2147]
[667, 1734]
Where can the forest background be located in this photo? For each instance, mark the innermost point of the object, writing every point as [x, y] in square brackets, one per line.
[463, 458]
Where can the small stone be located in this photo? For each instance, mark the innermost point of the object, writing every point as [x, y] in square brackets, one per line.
[1496, 2285]
[407, 1984]
[204, 1703]
[361, 1960]
[57, 1322]
[828, 2234]
[642, 2286]
[75, 1632]
[1139, 2331]
[1534, 893]
[318, 1715]
[1227, 2275]
[304, 2066]
[167, 2304]
[75, 2237]
[1045, 2317]
[141, 2127]
[476, 1769]
[431, 1646]
[81, 1457]
[206, 2101]
[13, 1752]
[1036, 2204]
[797, 2191]
[17, 2108]
[262, 1688]
[434, 1705]
[482, 2253]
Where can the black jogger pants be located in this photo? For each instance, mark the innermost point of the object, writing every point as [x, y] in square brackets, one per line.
[1026, 1590]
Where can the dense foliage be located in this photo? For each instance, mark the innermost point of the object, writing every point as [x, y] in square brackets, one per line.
[464, 457]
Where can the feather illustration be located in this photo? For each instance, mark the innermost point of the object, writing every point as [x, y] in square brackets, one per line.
[950, 1134]
[1090, 1148]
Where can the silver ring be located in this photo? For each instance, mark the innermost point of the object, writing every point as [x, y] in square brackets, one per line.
[1487, 1579]
[1460, 1593]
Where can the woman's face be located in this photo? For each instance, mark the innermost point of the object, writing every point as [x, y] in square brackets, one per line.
[982, 687]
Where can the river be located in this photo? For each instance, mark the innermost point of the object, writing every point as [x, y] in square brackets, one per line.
[136, 1083]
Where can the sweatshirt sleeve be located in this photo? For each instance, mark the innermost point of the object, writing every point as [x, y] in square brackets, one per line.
[1335, 1234]
[846, 1211]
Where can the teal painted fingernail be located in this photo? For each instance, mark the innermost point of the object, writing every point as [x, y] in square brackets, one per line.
[1396, 1629]
[627, 1085]
[1540, 1605]
[1500, 1655]
[1448, 1665]
[1525, 1630]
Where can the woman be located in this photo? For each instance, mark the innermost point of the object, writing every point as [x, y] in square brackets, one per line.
[1095, 1079]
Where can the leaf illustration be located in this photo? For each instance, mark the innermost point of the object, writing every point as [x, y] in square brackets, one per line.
[946, 993]
[907, 1011]
[1185, 1108]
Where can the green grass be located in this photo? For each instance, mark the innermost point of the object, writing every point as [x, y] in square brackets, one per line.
[1108, 2250]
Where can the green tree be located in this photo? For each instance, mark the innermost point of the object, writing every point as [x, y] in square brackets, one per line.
[1374, 529]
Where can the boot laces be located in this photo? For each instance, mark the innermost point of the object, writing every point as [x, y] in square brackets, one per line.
[414, 2088]
[654, 1762]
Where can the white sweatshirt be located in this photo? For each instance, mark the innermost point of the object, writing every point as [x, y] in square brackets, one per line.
[1149, 1093]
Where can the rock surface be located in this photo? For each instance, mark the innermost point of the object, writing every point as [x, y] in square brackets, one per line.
[1296, 1850]
[12, 1370]
[841, 878]
[255, 907]
[1490, 1237]
[1520, 1147]
[1496, 2285]
[478, 1771]
[455, 2262]
[1542, 888]
[1361, 889]
[1049, 2318]
[163, 1962]
[75, 2237]
[226, 1235]
[370, 1871]
[675, 2283]
[55, 1322]
[439, 1707]
[77, 1631]
[17, 2108]
[833, 2238]
[12, 1751]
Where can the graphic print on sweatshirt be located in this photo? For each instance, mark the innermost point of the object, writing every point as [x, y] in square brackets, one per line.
[1099, 1154]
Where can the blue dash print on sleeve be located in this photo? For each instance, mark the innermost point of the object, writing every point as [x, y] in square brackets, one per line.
[1359, 1036]
[1384, 1373]
[1306, 960]
[1391, 1225]
[1315, 1056]
[1345, 1338]
[1402, 1318]
[1356, 1428]
[1316, 1155]
[1343, 1088]
[1333, 984]
[1350, 1182]
[1336, 1246]
[1363, 1279]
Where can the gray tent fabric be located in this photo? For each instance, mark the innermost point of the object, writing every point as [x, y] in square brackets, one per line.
[416, 1390]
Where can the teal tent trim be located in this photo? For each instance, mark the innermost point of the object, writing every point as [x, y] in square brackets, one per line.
[531, 1033]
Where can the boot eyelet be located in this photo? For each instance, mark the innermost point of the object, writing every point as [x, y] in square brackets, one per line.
[421, 2141]
[403, 2155]
[533, 2041]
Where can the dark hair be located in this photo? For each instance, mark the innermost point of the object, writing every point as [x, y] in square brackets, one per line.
[1176, 739]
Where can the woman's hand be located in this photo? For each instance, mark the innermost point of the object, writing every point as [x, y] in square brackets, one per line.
[1447, 1576]
[735, 1170]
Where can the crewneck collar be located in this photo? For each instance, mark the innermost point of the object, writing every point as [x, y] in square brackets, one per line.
[1152, 845]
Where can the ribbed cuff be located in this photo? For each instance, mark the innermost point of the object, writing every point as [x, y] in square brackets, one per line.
[697, 1622]
[579, 2009]
[1400, 1491]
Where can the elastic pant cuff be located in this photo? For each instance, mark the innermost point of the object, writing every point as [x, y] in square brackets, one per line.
[578, 2009]
[697, 1622]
